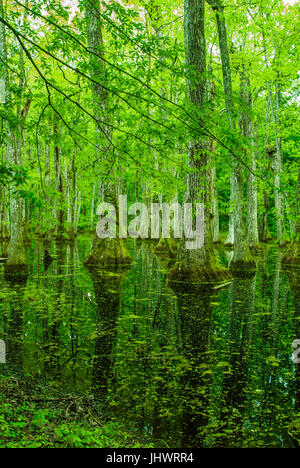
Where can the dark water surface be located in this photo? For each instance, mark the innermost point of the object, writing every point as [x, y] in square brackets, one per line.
[189, 368]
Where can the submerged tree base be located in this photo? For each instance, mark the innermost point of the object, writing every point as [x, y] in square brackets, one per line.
[16, 262]
[217, 242]
[47, 260]
[166, 246]
[292, 255]
[16, 274]
[242, 263]
[108, 252]
[243, 269]
[4, 237]
[66, 236]
[266, 241]
[229, 246]
[193, 272]
[254, 247]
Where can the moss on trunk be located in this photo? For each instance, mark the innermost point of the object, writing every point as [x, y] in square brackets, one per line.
[197, 274]
[108, 252]
[198, 266]
[245, 268]
[254, 248]
[17, 261]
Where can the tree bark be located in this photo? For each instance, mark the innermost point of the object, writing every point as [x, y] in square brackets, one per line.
[292, 255]
[200, 264]
[242, 258]
[17, 261]
[105, 252]
[265, 235]
[4, 211]
[277, 163]
[248, 132]
[215, 208]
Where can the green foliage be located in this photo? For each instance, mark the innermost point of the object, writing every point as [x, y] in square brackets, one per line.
[40, 425]
[143, 74]
[12, 175]
[294, 428]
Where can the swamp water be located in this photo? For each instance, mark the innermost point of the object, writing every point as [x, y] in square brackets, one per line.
[188, 368]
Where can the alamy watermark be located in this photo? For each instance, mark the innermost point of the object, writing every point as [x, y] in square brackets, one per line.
[152, 222]
[2, 352]
[296, 354]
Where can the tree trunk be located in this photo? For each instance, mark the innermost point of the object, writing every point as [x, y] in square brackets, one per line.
[17, 261]
[248, 132]
[265, 235]
[4, 212]
[242, 258]
[60, 215]
[197, 265]
[229, 242]
[277, 163]
[104, 252]
[213, 170]
[278, 166]
[92, 227]
[4, 220]
[292, 256]
[215, 209]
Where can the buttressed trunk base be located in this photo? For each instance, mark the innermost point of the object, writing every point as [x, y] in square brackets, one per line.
[108, 252]
[166, 246]
[198, 267]
[17, 261]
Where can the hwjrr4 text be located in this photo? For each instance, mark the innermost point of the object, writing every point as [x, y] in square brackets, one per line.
[152, 458]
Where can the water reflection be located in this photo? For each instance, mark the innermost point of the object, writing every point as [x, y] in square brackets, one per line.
[107, 289]
[294, 281]
[239, 338]
[195, 314]
[13, 328]
[193, 367]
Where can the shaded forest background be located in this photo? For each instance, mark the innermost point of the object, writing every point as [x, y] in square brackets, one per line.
[198, 102]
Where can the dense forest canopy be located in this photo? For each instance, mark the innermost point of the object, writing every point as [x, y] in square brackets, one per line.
[102, 98]
[147, 336]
